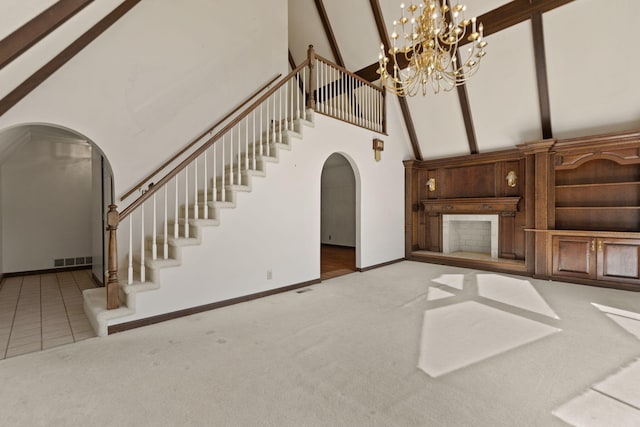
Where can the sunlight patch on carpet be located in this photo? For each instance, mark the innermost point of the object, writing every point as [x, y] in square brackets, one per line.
[436, 294]
[593, 409]
[514, 292]
[462, 334]
[454, 280]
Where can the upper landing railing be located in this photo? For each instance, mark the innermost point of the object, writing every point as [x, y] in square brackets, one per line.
[208, 176]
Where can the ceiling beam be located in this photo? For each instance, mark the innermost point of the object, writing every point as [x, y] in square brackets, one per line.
[292, 62]
[541, 75]
[463, 97]
[329, 32]
[404, 105]
[496, 20]
[63, 57]
[16, 43]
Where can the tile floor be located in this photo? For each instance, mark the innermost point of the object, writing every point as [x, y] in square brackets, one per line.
[42, 311]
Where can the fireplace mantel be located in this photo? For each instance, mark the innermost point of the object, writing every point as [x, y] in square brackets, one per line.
[479, 205]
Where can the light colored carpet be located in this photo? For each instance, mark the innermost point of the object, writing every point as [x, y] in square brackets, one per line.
[345, 353]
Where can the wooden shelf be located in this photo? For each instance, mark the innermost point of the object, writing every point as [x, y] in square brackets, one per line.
[601, 184]
[560, 208]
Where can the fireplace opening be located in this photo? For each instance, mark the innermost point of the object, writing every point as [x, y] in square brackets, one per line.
[475, 234]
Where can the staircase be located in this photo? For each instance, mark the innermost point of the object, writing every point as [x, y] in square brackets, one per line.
[171, 225]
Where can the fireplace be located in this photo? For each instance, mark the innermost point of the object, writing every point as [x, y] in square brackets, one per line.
[470, 233]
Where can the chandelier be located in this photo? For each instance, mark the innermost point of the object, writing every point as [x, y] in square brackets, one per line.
[424, 51]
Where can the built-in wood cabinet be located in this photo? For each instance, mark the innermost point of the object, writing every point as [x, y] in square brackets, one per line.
[572, 214]
[597, 258]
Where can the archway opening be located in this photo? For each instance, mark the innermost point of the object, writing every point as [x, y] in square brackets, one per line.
[338, 220]
[55, 185]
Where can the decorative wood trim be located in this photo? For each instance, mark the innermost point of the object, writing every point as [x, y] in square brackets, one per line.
[326, 23]
[383, 264]
[500, 265]
[404, 105]
[540, 58]
[63, 57]
[18, 42]
[199, 309]
[479, 205]
[467, 160]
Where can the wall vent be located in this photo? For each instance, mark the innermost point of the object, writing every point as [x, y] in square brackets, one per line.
[67, 262]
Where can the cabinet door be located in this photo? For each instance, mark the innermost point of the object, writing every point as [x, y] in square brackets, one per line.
[574, 256]
[619, 260]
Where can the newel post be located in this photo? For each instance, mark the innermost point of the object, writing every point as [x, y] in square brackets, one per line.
[311, 100]
[113, 297]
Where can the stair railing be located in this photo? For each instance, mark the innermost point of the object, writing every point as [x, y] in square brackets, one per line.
[208, 178]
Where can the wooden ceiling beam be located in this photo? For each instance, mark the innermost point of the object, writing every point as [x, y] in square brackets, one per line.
[63, 57]
[404, 105]
[16, 43]
[541, 75]
[329, 32]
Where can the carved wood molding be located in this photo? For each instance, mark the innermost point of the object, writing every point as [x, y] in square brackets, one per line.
[479, 205]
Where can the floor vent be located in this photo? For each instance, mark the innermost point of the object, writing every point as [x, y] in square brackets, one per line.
[302, 291]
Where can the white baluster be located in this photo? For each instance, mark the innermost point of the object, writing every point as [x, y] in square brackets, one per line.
[195, 189]
[154, 244]
[246, 143]
[261, 118]
[186, 202]
[289, 109]
[280, 115]
[142, 245]
[231, 157]
[343, 109]
[165, 248]
[239, 155]
[222, 190]
[206, 188]
[214, 184]
[273, 120]
[176, 225]
[304, 93]
[298, 86]
[130, 269]
[254, 139]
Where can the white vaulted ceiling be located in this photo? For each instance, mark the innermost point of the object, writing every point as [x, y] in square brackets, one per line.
[591, 65]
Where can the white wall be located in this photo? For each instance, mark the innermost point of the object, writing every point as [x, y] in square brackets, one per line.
[46, 209]
[159, 76]
[338, 202]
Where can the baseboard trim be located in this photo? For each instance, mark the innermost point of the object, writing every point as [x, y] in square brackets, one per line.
[121, 327]
[48, 271]
[384, 264]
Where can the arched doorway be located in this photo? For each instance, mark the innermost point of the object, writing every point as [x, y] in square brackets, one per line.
[338, 217]
[55, 185]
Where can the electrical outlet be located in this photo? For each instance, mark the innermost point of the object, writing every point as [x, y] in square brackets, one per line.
[269, 274]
